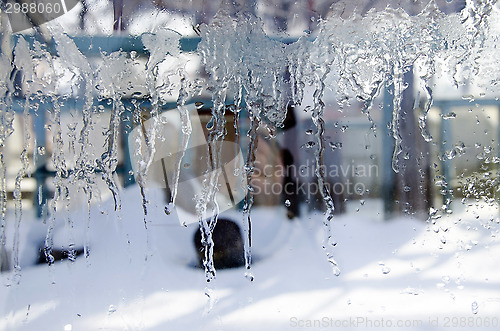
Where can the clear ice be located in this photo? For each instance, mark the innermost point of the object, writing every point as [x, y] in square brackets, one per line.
[366, 54]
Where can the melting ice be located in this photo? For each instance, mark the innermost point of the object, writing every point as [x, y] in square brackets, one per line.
[247, 69]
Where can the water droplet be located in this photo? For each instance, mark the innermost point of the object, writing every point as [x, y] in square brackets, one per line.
[450, 154]
[111, 309]
[475, 308]
[359, 190]
[210, 124]
[167, 210]
[41, 150]
[309, 132]
[288, 203]
[469, 97]
[336, 145]
[199, 105]
[450, 115]
[249, 276]
[309, 144]
[386, 270]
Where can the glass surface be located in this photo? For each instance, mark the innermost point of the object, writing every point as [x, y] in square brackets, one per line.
[249, 165]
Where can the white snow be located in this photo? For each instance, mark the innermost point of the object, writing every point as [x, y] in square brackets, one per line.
[151, 285]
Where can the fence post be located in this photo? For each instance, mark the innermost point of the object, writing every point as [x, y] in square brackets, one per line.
[445, 145]
[388, 175]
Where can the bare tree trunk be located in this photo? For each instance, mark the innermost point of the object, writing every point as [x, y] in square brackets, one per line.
[118, 23]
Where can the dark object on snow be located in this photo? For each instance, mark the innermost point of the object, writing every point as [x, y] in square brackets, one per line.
[58, 255]
[228, 245]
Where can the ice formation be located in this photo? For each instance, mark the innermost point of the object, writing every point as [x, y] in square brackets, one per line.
[247, 69]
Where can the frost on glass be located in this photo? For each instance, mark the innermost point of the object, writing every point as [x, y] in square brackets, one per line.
[242, 60]
[393, 43]
[367, 53]
[35, 80]
[6, 129]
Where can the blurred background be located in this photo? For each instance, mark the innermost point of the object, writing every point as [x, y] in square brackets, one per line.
[359, 150]
[76, 89]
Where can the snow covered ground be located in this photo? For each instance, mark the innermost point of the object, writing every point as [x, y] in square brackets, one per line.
[402, 274]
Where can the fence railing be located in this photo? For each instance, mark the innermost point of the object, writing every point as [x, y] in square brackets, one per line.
[94, 46]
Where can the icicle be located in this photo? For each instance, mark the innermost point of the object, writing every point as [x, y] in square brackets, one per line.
[398, 81]
[114, 72]
[248, 202]
[86, 239]
[243, 62]
[17, 188]
[209, 205]
[425, 65]
[317, 117]
[57, 158]
[25, 60]
[209, 48]
[143, 148]
[162, 44]
[422, 118]
[206, 227]
[61, 192]
[83, 172]
[6, 129]
[186, 131]
[78, 65]
[220, 69]
[109, 159]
